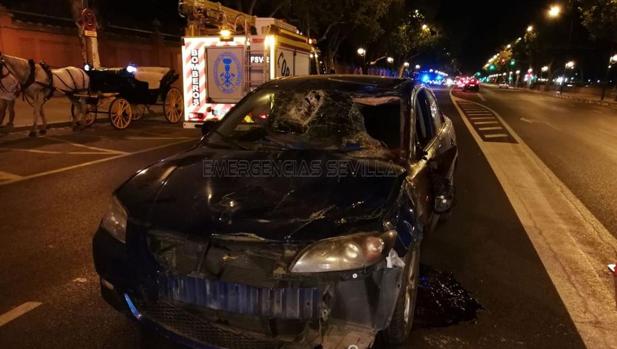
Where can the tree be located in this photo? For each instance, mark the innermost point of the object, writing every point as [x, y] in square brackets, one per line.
[411, 36]
[600, 19]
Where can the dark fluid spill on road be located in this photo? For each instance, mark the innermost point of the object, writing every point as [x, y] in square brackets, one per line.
[442, 301]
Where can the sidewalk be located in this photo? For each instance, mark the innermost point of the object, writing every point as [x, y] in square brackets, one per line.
[57, 110]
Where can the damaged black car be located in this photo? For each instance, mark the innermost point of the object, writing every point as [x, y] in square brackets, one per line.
[296, 222]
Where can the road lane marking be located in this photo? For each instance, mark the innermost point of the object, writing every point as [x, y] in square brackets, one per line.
[139, 138]
[572, 244]
[55, 152]
[481, 117]
[496, 135]
[4, 176]
[492, 128]
[79, 145]
[485, 122]
[482, 97]
[17, 312]
[94, 162]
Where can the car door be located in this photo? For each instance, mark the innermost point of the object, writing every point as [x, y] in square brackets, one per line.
[442, 150]
[419, 179]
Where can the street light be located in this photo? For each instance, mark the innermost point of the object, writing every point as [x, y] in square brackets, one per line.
[418, 67]
[406, 64]
[545, 69]
[530, 28]
[570, 65]
[554, 11]
[425, 27]
[361, 52]
[390, 60]
[611, 61]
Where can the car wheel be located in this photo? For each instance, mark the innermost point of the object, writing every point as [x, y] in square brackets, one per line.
[402, 319]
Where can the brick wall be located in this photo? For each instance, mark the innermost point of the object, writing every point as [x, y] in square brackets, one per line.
[59, 45]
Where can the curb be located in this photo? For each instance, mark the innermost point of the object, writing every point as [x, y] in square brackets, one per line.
[565, 96]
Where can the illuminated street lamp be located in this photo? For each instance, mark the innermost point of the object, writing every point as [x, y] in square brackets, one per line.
[362, 53]
[418, 67]
[545, 69]
[406, 64]
[611, 61]
[554, 11]
[570, 65]
[390, 60]
[530, 29]
[425, 27]
[509, 46]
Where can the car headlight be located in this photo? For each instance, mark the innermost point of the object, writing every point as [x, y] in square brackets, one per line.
[115, 219]
[344, 253]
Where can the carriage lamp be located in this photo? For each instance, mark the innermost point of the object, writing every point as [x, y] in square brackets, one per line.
[87, 67]
[131, 69]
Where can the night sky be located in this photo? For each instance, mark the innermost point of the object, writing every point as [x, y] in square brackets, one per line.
[476, 28]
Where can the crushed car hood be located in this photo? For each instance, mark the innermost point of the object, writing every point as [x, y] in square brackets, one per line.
[178, 195]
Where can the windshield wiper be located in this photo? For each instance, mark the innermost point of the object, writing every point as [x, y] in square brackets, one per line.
[278, 144]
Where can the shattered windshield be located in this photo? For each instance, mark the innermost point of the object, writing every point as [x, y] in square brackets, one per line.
[313, 119]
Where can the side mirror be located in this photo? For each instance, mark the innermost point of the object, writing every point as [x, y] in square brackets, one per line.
[208, 126]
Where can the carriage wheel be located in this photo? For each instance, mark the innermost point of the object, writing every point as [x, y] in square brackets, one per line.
[173, 106]
[120, 113]
[89, 116]
[139, 110]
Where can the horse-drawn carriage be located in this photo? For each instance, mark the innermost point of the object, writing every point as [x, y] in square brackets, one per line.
[125, 94]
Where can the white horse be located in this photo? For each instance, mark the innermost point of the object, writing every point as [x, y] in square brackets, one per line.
[9, 91]
[39, 83]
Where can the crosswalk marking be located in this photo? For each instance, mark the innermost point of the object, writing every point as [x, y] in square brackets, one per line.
[481, 117]
[496, 135]
[485, 122]
[492, 128]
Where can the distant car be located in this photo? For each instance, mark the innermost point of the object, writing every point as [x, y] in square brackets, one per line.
[471, 84]
[296, 222]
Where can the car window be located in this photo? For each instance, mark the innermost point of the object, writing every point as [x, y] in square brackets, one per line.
[313, 119]
[435, 112]
[425, 127]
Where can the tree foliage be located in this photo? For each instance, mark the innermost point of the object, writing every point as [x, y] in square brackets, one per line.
[384, 27]
[600, 19]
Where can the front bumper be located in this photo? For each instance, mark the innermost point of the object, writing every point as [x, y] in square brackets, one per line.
[334, 311]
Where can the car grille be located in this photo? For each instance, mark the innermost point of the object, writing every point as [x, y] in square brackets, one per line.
[197, 329]
[274, 303]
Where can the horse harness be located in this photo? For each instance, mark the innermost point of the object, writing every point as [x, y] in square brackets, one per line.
[3, 88]
[31, 80]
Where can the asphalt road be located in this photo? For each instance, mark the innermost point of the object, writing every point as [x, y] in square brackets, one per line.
[54, 190]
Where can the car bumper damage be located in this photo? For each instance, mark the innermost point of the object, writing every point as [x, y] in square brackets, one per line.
[239, 294]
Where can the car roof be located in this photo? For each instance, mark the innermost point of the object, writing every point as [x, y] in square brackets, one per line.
[362, 84]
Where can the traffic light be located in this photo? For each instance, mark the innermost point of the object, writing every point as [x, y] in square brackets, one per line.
[512, 62]
[491, 67]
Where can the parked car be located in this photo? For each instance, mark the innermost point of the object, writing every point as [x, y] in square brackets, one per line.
[297, 221]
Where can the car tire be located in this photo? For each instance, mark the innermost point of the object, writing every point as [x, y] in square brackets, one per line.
[402, 319]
